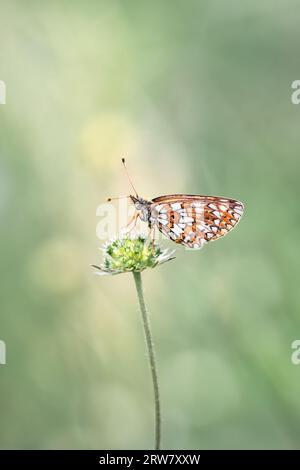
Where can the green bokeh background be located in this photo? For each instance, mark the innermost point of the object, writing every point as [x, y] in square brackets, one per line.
[197, 95]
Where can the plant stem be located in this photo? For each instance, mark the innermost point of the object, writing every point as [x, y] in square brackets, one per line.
[151, 356]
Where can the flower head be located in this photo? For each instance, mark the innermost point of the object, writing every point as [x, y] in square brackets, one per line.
[127, 254]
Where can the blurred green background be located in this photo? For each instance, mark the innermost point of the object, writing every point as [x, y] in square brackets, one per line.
[197, 95]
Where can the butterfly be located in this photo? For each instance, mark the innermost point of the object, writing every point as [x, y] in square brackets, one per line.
[189, 219]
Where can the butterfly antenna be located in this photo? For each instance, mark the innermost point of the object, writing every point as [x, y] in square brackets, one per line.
[129, 179]
[116, 198]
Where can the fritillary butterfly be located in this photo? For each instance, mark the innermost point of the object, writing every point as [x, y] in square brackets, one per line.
[190, 220]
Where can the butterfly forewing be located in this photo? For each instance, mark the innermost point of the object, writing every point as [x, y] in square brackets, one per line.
[194, 220]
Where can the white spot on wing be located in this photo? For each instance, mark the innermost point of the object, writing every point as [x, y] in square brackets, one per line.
[203, 227]
[172, 235]
[177, 230]
[239, 211]
[182, 213]
[186, 220]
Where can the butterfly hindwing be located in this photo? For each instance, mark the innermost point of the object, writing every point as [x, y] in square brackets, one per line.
[193, 220]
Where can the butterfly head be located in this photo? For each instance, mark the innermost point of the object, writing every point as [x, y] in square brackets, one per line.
[142, 206]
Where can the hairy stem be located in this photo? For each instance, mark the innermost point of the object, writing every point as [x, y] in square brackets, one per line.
[151, 356]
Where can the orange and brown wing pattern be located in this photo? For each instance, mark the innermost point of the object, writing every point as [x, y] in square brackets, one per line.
[193, 220]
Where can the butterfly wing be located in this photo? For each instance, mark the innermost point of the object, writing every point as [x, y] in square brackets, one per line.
[194, 220]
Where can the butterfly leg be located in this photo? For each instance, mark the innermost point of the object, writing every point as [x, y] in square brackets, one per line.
[131, 224]
[151, 235]
[153, 238]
